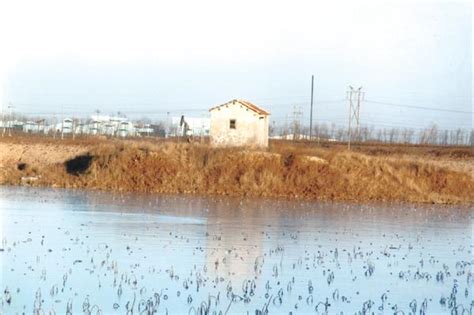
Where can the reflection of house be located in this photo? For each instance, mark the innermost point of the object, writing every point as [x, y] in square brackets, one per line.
[239, 123]
[232, 249]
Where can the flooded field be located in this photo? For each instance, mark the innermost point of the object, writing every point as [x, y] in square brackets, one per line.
[70, 252]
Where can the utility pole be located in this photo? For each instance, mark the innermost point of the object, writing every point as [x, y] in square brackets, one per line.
[62, 123]
[311, 112]
[168, 125]
[354, 97]
[73, 126]
[10, 124]
[3, 119]
[54, 126]
[360, 97]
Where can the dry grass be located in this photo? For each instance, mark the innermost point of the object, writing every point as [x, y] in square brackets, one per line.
[285, 170]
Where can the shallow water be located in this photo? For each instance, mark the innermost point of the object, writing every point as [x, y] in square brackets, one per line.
[87, 251]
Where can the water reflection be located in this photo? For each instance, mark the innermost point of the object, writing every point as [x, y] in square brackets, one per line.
[122, 252]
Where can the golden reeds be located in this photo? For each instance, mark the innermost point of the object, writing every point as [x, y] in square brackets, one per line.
[284, 170]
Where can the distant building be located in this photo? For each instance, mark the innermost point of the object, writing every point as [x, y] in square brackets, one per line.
[30, 127]
[144, 130]
[126, 129]
[239, 123]
[65, 126]
[198, 126]
[111, 126]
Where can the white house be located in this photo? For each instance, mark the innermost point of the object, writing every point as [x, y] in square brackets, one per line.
[239, 123]
[198, 126]
[65, 126]
[144, 130]
[30, 127]
[126, 129]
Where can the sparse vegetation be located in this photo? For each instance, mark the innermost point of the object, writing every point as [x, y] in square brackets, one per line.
[285, 170]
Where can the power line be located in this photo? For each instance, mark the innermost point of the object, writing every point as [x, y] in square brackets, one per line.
[271, 105]
[419, 107]
[73, 106]
[311, 113]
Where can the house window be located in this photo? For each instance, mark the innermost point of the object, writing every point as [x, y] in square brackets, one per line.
[232, 124]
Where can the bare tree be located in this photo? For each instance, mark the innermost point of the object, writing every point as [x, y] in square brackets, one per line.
[432, 134]
[459, 136]
[444, 138]
[340, 134]
[333, 134]
[393, 135]
[407, 135]
[323, 132]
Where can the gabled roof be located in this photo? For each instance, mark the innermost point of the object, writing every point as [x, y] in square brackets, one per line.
[247, 104]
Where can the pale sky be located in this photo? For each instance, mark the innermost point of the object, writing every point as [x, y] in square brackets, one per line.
[145, 58]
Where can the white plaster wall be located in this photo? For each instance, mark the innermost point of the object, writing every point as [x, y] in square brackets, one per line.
[250, 130]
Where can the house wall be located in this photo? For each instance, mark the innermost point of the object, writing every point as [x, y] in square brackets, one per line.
[250, 129]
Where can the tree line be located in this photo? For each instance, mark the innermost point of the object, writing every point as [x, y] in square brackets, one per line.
[432, 135]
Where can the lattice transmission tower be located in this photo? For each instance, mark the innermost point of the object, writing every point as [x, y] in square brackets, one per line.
[355, 97]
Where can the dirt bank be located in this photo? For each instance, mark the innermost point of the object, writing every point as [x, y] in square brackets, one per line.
[285, 170]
